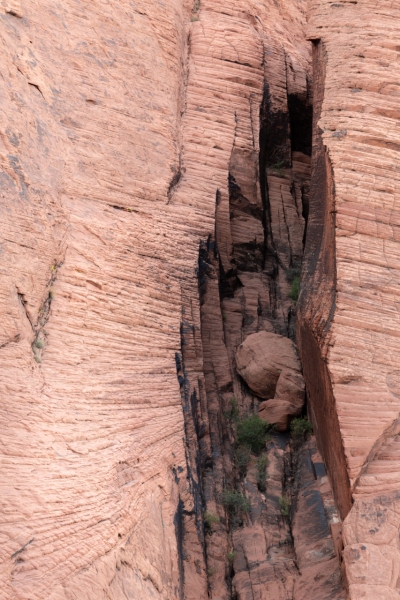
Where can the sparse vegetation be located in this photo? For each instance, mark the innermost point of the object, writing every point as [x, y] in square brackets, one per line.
[301, 428]
[242, 458]
[231, 556]
[232, 414]
[252, 432]
[278, 168]
[295, 289]
[262, 464]
[210, 571]
[292, 272]
[39, 343]
[285, 506]
[235, 502]
[37, 358]
[51, 293]
[210, 519]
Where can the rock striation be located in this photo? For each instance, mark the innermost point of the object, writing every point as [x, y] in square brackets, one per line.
[349, 322]
[158, 193]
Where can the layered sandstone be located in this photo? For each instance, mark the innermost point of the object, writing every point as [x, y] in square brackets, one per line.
[349, 304]
[155, 179]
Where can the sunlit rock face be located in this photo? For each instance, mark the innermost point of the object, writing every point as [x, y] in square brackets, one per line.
[119, 121]
[155, 202]
[349, 318]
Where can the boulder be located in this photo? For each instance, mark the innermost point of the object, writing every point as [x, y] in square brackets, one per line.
[269, 364]
[261, 359]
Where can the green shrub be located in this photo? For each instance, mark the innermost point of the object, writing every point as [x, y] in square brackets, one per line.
[231, 556]
[242, 457]
[278, 168]
[37, 358]
[210, 519]
[262, 464]
[235, 502]
[300, 428]
[39, 343]
[285, 506]
[293, 272]
[232, 414]
[295, 289]
[253, 432]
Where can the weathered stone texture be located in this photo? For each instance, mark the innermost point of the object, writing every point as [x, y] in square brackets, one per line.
[91, 94]
[358, 260]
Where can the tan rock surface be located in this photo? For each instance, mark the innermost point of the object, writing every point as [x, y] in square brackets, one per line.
[129, 139]
[106, 198]
[263, 359]
[92, 259]
[349, 304]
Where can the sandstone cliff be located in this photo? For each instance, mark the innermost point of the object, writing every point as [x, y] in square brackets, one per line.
[158, 193]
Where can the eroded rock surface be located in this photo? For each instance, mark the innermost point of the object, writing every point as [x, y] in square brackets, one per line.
[155, 182]
[349, 320]
[270, 366]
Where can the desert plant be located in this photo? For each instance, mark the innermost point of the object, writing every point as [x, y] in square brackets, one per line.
[300, 428]
[232, 414]
[37, 358]
[210, 571]
[278, 168]
[262, 464]
[210, 519]
[285, 506]
[51, 293]
[39, 343]
[292, 272]
[231, 556]
[252, 431]
[235, 502]
[295, 289]
[242, 457]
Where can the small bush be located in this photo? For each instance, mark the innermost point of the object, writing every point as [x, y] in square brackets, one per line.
[210, 571]
[278, 168]
[295, 289]
[242, 457]
[210, 519]
[39, 343]
[231, 556]
[235, 502]
[301, 428]
[253, 432]
[232, 414]
[37, 358]
[293, 273]
[262, 464]
[285, 506]
[51, 293]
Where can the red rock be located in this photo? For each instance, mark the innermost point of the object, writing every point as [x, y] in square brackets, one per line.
[263, 358]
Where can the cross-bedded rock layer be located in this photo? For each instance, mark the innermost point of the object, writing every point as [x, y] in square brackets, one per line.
[349, 305]
[132, 135]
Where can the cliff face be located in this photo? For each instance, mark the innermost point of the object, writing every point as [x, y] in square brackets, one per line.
[92, 260]
[156, 200]
[352, 265]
